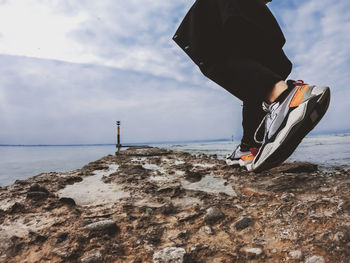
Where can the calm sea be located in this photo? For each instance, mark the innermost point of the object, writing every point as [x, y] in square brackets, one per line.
[21, 162]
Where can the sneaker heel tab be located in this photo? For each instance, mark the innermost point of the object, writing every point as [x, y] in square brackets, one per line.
[299, 83]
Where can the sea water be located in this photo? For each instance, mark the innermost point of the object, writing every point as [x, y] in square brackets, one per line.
[329, 152]
[21, 162]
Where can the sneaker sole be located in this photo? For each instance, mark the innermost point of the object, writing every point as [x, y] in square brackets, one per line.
[232, 162]
[244, 163]
[315, 110]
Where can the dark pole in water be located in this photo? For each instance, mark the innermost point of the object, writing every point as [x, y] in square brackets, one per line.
[118, 136]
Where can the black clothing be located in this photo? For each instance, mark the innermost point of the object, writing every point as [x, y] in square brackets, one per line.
[237, 44]
[214, 31]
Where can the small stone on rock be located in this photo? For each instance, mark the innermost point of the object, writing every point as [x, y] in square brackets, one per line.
[253, 251]
[213, 215]
[315, 259]
[296, 254]
[239, 207]
[208, 230]
[93, 256]
[193, 176]
[170, 255]
[108, 226]
[243, 223]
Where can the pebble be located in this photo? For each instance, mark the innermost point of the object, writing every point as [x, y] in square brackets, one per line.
[296, 254]
[170, 255]
[208, 230]
[315, 259]
[193, 176]
[213, 215]
[108, 226]
[93, 256]
[239, 207]
[256, 251]
[243, 223]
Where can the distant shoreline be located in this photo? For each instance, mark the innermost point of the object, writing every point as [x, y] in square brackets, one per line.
[113, 144]
[151, 143]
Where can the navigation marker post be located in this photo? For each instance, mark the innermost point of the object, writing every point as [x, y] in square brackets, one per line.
[118, 136]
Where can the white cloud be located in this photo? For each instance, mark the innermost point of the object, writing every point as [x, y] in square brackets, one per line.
[130, 69]
[123, 34]
[56, 102]
[32, 28]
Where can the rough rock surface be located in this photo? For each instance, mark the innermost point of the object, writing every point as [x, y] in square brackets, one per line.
[154, 200]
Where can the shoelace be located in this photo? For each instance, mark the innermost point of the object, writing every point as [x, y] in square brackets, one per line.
[266, 107]
[230, 155]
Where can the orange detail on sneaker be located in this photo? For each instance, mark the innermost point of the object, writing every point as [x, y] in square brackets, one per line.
[248, 157]
[251, 156]
[298, 96]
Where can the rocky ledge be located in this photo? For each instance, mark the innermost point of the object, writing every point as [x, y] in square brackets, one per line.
[155, 205]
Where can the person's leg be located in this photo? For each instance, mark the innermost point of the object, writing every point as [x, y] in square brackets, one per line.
[245, 79]
[252, 115]
[276, 91]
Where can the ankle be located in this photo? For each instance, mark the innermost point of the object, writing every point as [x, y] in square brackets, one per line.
[276, 91]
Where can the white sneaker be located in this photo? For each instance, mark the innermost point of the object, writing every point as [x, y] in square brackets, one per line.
[288, 122]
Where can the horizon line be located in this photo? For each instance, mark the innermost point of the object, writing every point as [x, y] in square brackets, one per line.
[147, 143]
[127, 143]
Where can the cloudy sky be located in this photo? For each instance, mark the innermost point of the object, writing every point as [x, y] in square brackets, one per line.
[70, 69]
